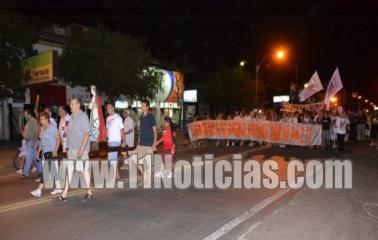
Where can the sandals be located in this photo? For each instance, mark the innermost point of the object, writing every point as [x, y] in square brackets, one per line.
[87, 197]
[61, 199]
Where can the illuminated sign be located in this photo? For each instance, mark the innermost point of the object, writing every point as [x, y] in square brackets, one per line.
[121, 104]
[190, 96]
[172, 86]
[280, 99]
[40, 68]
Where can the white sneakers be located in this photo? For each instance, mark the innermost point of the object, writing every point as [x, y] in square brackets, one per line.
[56, 191]
[36, 193]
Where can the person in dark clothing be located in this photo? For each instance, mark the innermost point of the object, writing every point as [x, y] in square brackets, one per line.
[326, 124]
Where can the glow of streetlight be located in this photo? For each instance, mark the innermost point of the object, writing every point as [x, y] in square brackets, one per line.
[280, 54]
[242, 63]
[366, 101]
[333, 99]
[359, 97]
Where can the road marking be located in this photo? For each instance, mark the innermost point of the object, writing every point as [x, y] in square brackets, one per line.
[255, 209]
[10, 175]
[246, 215]
[34, 202]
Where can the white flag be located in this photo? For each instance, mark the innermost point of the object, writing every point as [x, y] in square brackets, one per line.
[334, 86]
[312, 87]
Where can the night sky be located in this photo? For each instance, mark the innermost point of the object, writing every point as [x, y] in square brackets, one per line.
[199, 35]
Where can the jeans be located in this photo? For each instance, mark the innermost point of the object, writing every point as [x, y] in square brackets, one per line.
[113, 156]
[31, 152]
[326, 138]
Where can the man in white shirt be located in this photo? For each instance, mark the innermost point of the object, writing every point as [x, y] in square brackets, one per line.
[115, 134]
[65, 119]
[342, 123]
[128, 128]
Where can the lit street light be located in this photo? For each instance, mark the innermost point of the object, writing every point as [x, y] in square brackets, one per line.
[280, 54]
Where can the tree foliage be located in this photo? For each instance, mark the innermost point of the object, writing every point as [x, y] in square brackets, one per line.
[16, 44]
[230, 88]
[116, 63]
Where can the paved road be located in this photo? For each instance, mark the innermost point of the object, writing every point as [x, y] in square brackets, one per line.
[197, 214]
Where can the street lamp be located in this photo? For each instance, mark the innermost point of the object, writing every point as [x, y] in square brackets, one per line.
[280, 54]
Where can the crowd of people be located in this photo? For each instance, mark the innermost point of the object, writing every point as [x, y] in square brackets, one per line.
[43, 139]
[338, 126]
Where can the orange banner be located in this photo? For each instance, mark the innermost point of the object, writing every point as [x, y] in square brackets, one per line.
[274, 132]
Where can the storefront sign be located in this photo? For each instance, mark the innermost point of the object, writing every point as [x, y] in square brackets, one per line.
[40, 68]
[172, 86]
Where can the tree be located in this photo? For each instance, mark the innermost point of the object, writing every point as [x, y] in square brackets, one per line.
[229, 88]
[116, 63]
[16, 44]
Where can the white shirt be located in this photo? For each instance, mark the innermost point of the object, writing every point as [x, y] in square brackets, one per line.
[129, 125]
[52, 120]
[341, 125]
[114, 126]
[63, 125]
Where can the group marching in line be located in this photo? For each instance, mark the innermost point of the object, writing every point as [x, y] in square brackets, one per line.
[43, 138]
[338, 126]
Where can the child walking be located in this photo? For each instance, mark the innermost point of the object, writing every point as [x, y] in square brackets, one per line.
[169, 144]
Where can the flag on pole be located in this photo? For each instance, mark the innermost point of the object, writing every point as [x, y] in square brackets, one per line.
[312, 87]
[334, 86]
